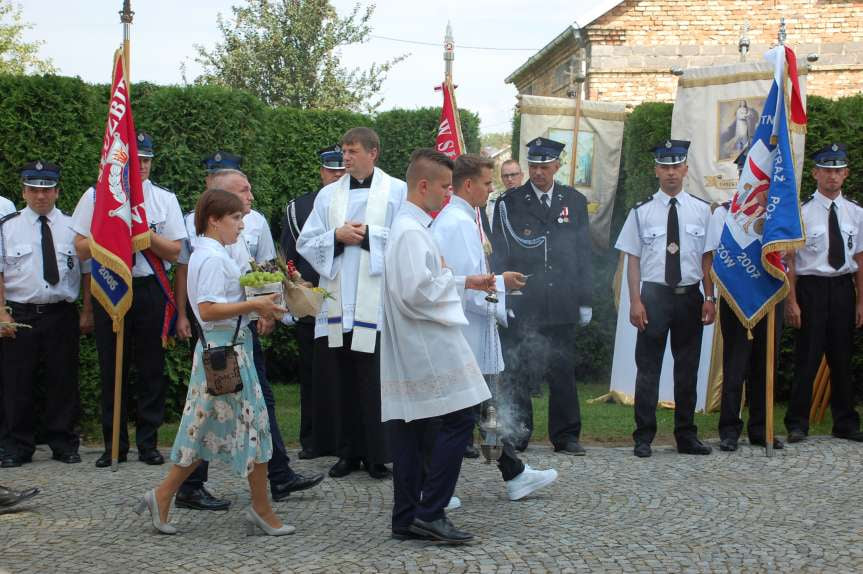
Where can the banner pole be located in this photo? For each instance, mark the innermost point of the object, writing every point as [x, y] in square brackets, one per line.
[118, 397]
[573, 161]
[126, 16]
[768, 391]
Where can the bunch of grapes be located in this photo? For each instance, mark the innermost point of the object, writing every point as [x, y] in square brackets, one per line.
[261, 278]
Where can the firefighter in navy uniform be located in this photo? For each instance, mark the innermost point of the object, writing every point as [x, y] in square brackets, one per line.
[316, 389]
[541, 230]
[744, 357]
[664, 237]
[822, 303]
[40, 279]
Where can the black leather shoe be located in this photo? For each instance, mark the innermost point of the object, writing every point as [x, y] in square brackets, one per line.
[281, 490]
[777, 444]
[471, 451]
[796, 435]
[67, 457]
[379, 471]
[104, 461]
[9, 498]
[728, 445]
[441, 530]
[856, 436]
[14, 460]
[151, 457]
[306, 455]
[200, 499]
[344, 467]
[694, 446]
[570, 447]
[407, 534]
[642, 450]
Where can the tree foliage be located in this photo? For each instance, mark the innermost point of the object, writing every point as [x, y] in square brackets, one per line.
[16, 55]
[287, 53]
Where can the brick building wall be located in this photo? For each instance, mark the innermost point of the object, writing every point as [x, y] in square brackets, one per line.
[633, 47]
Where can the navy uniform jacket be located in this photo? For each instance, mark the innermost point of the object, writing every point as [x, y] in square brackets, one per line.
[297, 213]
[561, 269]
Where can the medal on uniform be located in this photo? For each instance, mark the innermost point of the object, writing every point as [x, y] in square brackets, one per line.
[69, 262]
[564, 215]
[672, 248]
[527, 232]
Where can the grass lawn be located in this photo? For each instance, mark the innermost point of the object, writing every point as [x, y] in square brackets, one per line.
[604, 423]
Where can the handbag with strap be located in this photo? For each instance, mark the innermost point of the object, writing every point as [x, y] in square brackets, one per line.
[221, 365]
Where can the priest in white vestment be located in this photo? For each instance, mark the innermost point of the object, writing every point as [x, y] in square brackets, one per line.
[344, 239]
[429, 375]
[460, 237]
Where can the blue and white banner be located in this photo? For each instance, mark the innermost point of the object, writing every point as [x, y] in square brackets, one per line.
[764, 216]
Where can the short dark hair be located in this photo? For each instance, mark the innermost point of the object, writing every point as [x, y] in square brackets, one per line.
[424, 161]
[366, 137]
[469, 166]
[215, 203]
[511, 161]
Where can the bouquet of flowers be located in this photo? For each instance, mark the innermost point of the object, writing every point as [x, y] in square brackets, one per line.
[301, 297]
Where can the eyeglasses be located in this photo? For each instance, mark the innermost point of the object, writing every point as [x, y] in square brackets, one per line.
[508, 175]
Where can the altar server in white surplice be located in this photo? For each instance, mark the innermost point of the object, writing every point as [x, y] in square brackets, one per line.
[344, 239]
[461, 239]
[429, 375]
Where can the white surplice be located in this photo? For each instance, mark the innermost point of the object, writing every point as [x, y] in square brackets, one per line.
[317, 243]
[427, 367]
[457, 235]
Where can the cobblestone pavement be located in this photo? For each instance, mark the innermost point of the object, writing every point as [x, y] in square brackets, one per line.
[799, 511]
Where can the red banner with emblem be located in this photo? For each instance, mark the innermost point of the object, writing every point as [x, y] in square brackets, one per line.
[119, 226]
[449, 140]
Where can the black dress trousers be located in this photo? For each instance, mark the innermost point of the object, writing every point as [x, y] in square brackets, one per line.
[305, 333]
[680, 315]
[142, 346]
[52, 345]
[534, 354]
[827, 328]
[744, 360]
[356, 407]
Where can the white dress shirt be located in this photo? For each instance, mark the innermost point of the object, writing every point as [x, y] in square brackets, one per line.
[21, 260]
[163, 216]
[540, 194]
[214, 277]
[644, 235]
[6, 206]
[811, 259]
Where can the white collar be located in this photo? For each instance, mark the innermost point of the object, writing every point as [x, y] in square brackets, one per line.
[539, 193]
[460, 203]
[826, 202]
[202, 241]
[415, 212]
[666, 199]
[33, 217]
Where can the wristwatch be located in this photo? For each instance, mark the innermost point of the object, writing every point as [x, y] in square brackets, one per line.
[710, 299]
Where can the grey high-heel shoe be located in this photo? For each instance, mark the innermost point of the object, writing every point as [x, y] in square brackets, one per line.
[149, 502]
[253, 521]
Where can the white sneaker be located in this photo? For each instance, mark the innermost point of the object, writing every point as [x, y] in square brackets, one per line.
[529, 481]
[454, 502]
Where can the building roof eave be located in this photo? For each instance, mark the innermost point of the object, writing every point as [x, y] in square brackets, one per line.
[571, 33]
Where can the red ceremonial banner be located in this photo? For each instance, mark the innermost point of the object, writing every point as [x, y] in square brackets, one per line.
[119, 226]
[449, 139]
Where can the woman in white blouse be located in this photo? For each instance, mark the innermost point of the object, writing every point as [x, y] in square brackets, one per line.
[232, 427]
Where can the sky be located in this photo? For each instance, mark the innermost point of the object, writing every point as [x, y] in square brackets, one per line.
[80, 36]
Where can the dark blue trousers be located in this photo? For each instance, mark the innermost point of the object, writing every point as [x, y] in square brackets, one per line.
[427, 462]
[279, 469]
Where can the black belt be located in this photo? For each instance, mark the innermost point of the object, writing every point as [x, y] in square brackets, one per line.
[825, 278]
[679, 290]
[37, 308]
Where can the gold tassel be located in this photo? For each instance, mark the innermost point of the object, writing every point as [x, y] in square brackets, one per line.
[749, 334]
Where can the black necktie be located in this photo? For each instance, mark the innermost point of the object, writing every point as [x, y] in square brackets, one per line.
[545, 203]
[836, 252]
[672, 246]
[49, 256]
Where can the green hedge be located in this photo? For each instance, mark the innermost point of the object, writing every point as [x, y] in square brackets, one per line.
[62, 120]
